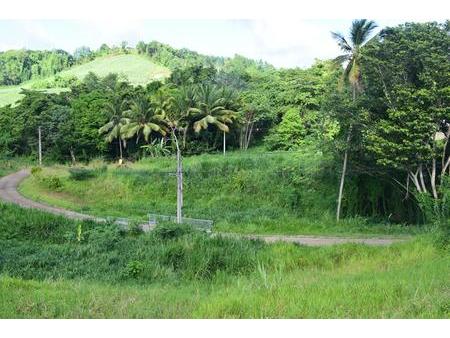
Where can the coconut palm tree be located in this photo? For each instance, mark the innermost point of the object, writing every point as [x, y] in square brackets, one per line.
[117, 121]
[211, 110]
[360, 32]
[143, 120]
[183, 100]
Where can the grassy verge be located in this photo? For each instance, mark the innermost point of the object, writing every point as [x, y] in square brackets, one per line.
[281, 193]
[49, 268]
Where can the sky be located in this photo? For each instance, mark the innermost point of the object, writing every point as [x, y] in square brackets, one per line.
[281, 42]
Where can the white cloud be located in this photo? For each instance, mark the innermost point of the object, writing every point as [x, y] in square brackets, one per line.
[288, 43]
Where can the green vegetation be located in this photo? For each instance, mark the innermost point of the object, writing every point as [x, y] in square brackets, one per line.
[52, 267]
[370, 134]
[138, 70]
[9, 165]
[13, 94]
[246, 192]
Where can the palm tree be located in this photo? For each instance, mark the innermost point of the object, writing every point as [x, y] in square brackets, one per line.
[143, 119]
[211, 110]
[183, 101]
[359, 35]
[117, 121]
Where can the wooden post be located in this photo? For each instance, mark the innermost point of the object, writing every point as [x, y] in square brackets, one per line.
[40, 146]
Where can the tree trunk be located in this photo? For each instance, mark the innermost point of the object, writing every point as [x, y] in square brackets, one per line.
[120, 149]
[249, 135]
[433, 179]
[224, 143]
[415, 180]
[422, 181]
[72, 155]
[344, 165]
[185, 130]
[344, 170]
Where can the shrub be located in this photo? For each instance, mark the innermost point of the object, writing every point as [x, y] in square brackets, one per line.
[167, 231]
[36, 171]
[52, 182]
[81, 174]
[133, 269]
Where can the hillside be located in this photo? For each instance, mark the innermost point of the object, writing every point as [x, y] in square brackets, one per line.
[138, 69]
[248, 192]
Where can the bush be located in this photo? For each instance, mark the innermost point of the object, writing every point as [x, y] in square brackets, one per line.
[167, 231]
[81, 174]
[133, 269]
[36, 171]
[52, 182]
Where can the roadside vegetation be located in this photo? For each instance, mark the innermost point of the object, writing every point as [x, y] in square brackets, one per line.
[354, 146]
[52, 267]
[250, 192]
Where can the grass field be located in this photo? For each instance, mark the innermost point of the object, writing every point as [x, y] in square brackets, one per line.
[251, 192]
[138, 69]
[49, 268]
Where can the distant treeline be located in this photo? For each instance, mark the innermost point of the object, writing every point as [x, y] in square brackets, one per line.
[17, 66]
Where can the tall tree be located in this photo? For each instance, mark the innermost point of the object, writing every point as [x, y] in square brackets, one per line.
[117, 121]
[144, 118]
[211, 110]
[360, 32]
[409, 72]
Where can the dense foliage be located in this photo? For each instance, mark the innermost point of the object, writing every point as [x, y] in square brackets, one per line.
[17, 66]
[385, 113]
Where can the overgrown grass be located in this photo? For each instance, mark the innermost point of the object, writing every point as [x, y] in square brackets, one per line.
[290, 193]
[50, 268]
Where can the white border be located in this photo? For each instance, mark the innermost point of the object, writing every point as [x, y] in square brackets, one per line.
[226, 9]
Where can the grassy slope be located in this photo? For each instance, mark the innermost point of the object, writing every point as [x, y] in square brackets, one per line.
[242, 192]
[11, 94]
[45, 273]
[138, 69]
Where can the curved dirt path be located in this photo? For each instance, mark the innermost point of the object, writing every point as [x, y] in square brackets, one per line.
[9, 194]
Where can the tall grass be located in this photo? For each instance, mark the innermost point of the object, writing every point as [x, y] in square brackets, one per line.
[9, 165]
[53, 267]
[242, 192]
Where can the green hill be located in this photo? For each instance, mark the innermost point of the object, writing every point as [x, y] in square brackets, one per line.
[138, 69]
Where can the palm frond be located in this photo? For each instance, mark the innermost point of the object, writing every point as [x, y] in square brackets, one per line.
[360, 31]
[341, 59]
[342, 42]
[222, 126]
[106, 127]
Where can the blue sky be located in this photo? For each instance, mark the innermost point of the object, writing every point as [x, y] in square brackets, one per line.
[283, 43]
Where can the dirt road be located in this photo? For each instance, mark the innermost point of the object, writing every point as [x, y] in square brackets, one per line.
[9, 193]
